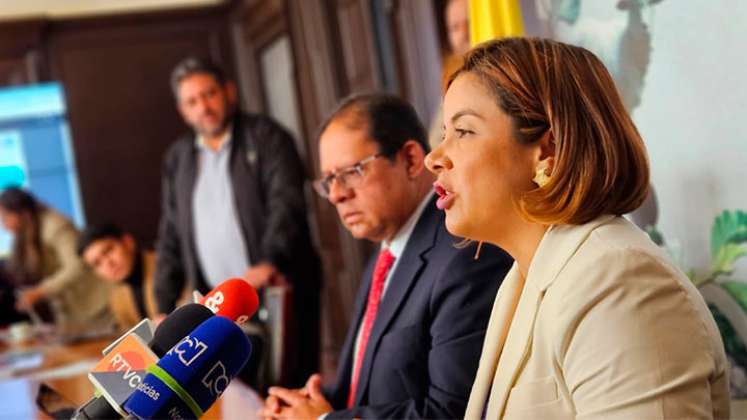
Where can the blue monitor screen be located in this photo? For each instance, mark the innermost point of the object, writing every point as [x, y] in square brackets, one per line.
[36, 151]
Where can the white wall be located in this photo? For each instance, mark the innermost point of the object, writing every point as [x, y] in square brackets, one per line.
[693, 116]
[693, 103]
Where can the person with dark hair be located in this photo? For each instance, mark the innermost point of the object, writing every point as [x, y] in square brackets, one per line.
[233, 205]
[593, 320]
[422, 308]
[387, 118]
[116, 257]
[191, 66]
[45, 267]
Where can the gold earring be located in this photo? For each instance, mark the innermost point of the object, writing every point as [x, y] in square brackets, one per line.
[540, 175]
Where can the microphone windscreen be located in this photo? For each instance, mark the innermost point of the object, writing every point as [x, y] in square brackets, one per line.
[177, 325]
[193, 374]
[234, 299]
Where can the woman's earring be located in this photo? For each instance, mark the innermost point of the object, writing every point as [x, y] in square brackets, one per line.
[540, 175]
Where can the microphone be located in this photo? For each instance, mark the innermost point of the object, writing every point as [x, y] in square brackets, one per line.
[123, 367]
[234, 299]
[176, 326]
[193, 374]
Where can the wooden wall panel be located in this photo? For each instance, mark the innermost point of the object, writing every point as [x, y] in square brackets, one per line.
[419, 56]
[21, 46]
[356, 45]
[323, 81]
[15, 71]
[121, 110]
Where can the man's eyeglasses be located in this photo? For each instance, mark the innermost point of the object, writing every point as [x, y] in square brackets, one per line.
[349, 177]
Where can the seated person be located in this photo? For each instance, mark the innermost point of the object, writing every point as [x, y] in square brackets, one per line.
[422, 308]
[115, 256]
[43, 264]
[8, 312]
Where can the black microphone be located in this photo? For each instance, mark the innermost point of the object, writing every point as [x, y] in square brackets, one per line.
[172, 329]
[178, 325]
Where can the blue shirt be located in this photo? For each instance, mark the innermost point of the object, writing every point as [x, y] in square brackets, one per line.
[219, 242]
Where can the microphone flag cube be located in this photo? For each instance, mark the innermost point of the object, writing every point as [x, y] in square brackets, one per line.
[121, 370]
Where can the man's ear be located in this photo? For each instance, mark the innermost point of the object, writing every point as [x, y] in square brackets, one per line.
[231, 92]
[129, 242]
[414, 156]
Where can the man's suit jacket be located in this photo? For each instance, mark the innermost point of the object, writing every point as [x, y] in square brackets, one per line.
[423, 349]
[268, 189]
[603, 327]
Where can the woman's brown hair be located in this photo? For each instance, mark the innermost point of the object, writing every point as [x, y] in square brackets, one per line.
[26, 259]
[601, 165]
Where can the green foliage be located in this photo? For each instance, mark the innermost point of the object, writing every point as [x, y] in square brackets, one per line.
[732, 343]
[723, 261]
[691, 275]
[738, 291]
[728, 231]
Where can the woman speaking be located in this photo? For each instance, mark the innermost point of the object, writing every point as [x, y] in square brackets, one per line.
[593, 320]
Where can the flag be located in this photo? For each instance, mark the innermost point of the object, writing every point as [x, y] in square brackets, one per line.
[489, 19]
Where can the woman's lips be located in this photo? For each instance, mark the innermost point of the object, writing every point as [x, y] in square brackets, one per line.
[444, 203]
[445, 197]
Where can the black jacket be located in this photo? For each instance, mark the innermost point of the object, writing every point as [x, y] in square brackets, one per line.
[268, 186]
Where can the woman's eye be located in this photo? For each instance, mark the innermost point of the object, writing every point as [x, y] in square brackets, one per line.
[460, 132]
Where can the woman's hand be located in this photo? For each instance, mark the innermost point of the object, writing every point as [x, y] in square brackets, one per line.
[27, 298]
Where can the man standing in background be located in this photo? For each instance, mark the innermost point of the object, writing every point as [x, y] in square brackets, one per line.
[233, 205]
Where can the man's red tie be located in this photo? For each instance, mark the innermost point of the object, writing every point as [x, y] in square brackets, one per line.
[383, 264]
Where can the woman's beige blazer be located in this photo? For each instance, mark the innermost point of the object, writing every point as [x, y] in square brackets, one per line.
[604, 326]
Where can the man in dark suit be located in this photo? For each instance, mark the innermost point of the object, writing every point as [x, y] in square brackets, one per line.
[233, 205]
[422, 309]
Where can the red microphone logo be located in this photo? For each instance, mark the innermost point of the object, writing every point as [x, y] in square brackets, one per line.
[234, 299]
[213, 302]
